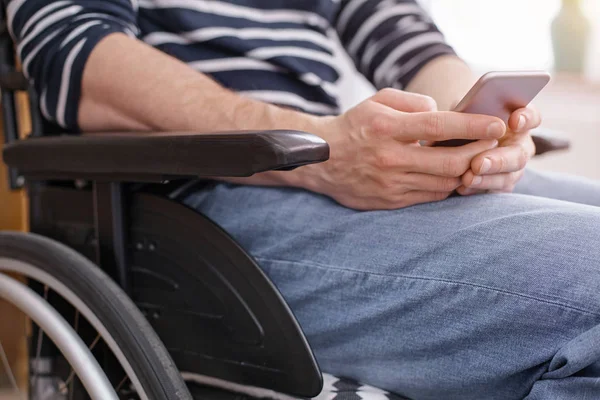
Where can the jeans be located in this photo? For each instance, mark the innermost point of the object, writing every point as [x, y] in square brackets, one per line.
[483, 297]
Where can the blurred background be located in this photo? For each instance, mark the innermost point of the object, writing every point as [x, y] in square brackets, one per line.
[560, 36]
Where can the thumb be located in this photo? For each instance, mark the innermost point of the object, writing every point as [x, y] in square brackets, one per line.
[405, 101]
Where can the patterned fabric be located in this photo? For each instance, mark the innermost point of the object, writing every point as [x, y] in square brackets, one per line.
[333, 389]
[344, 389]
[278, 51]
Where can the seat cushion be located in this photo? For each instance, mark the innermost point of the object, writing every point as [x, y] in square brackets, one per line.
[334, 388]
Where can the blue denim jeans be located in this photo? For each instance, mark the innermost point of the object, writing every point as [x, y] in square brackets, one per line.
[483, 297]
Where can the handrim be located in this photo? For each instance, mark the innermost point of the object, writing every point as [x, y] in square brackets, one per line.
[36, 273]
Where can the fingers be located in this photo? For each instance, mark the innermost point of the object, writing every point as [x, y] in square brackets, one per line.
[465, 191]
[405, 101]
[431, 183]
[500, 182]
[513, 155]
[525, 119]
[441, 126]
[498, 170]
[444, 161]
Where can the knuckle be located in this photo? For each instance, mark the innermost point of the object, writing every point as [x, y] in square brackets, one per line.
[466, 180]
[472, 127]
[385, 160]
[423, 103]
[429, 103]
[453, 166]
[365, 108]
[388, 92]
[439, 196]
[386, 185]
[502, 164]
[475, 127]
[433, 126]
[447, 184]
[381, 123]
[523, 158]
[399, 202]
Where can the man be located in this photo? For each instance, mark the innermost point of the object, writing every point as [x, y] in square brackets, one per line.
[472, 297]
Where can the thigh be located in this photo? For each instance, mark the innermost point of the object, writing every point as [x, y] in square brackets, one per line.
[466, 298]
[554, 185]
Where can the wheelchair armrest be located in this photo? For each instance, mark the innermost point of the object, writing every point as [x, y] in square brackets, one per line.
[149, 157]
[547, 141]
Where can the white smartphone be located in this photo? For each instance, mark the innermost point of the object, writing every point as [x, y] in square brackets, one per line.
[499, 94]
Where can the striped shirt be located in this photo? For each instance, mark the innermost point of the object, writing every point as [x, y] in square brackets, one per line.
[278, 51]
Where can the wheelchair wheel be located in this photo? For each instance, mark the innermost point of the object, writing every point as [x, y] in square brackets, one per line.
[126, 347]
[39, 310]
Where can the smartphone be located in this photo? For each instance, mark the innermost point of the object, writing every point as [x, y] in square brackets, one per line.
[499, 94]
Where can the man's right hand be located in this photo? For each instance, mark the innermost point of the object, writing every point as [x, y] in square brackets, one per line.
[377, 161]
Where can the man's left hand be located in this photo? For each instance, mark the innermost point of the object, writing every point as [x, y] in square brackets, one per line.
[498, 170]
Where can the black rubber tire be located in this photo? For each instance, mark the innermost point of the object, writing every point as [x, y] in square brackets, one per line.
[149, 359]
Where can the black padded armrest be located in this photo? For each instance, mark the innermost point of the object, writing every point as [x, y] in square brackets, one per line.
[547, 141]
[148, 157]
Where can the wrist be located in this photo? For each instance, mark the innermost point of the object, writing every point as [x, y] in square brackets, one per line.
[313, 177]
[446, 79]
[249, 114]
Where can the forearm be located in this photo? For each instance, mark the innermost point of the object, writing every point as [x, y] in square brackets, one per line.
[446, 79]
[128, 85]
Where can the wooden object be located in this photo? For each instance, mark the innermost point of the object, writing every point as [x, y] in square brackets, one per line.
[14, 327]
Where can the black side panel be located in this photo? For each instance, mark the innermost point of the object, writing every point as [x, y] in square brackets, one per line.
[212, 306]
[65, 215]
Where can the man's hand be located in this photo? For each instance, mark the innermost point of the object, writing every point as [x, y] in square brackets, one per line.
[500, 169]
[377, 162]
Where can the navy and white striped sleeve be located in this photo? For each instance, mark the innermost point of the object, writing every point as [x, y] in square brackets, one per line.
[54, 40]
[389, 40]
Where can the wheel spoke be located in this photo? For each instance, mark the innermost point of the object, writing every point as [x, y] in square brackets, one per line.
[120, 385]
[9, 371]
[38, 351]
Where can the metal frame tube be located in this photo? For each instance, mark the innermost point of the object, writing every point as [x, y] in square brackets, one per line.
[62, 334]
[33, 272]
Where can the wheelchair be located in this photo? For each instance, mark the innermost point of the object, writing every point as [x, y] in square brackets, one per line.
[151, 287]
[131, 294]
